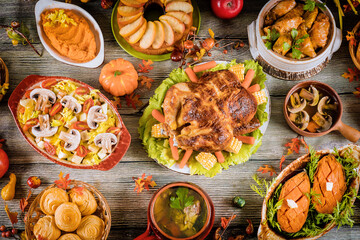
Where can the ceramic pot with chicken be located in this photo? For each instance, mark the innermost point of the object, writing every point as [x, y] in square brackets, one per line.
[179, 210]
[291, 41]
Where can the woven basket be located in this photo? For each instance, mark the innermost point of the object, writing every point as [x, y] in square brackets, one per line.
[6, 75]
[353, 49]
[102, 211]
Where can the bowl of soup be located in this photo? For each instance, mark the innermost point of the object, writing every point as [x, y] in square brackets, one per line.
[313, 109]
[179, 210]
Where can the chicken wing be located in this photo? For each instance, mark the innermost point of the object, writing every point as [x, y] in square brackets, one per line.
[203, 115]
[279, 44]
[320, 31]
[291, 20]
[278, 11]
[310, 17]
[306, 46]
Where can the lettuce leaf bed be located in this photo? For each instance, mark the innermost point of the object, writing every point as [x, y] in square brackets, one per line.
[159, 148]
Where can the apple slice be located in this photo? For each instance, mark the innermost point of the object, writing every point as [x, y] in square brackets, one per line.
[131, 28]
[159, 36]
[129, 19]
[166, 2]
[182, 16]
[169, 33]
[179, 6]
[149, 36]
[128, 11]
[132, 3]
[175, 23]
[138, 34]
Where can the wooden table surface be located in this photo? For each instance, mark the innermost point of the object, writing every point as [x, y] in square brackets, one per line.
[127, 207]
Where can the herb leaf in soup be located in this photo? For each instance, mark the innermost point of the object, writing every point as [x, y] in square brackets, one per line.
[182, 200]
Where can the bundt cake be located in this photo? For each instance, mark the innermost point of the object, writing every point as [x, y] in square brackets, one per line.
[158, 36]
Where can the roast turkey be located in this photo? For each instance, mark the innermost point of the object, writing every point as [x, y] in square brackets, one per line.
[206, 115]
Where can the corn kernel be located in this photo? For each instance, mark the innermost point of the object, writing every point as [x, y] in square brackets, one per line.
[260, 97]
[207, 160]
[159, 131]
[238, 70]
[234, 146]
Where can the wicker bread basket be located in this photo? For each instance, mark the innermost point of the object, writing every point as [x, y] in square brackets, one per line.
[3, 70]
[102, 211]
[353, 49]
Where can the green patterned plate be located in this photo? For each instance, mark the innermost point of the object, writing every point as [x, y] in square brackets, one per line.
[127, 47]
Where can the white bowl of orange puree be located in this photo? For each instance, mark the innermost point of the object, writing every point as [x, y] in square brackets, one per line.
[69, 33]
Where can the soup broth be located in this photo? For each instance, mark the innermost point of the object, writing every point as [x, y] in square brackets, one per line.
[180, 212]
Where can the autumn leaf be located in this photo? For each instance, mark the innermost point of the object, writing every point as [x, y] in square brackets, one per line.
[211, 33]
[351, 38]
[145, 67]
[267, 169]
[146, 81]
[116, 102]
[63, 182]
[79, 190]
[25, 201]
[353, 74]
[293, 146]
[143, 183]
[225, 222]
[348, 8]
[133, 100]
[11, 215]
[282, 160]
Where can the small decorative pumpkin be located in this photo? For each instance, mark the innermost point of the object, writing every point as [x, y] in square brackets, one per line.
[119, 77]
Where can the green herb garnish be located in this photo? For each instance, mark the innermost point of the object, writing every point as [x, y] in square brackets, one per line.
[311, 4]
[271, 37]
[182, 200]
[263, 185]
[296, 53]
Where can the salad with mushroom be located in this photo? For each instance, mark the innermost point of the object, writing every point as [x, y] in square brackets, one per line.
[312, 110]
[69, 121]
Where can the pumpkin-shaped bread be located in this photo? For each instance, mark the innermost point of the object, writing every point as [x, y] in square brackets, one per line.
[70, 236]
[85, 200]
[119, 77]
[295, 206]
[329, 184]
[46, 228]
[67, 217]
[52, 199]
[91, 228]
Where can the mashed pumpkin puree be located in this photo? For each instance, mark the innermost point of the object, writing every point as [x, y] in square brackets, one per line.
[69, 34]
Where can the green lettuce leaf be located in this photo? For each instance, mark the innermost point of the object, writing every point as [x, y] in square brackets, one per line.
[159, 149]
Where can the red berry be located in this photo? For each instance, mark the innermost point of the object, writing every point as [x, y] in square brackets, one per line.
[14, 231]
[242, 44]
[188, 44]
[105, 4]
[225, 51]
[8, 234]
[2, 228]
[3, 234]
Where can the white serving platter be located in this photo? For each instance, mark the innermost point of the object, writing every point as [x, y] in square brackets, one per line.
[43, 5]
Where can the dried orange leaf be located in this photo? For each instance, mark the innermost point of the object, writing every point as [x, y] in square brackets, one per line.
[133, 100]
[351, 38]
[146, 81]
[143, 183]
[353, 74]
[282, 160]
[293, 146]
[25, 201]
[226, 221]
[116, 102]
[145, 67]
[267, 169]
[63, 182]
[211, 33]
[12, 215]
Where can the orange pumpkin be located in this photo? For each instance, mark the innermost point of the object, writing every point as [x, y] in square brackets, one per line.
[119, 77]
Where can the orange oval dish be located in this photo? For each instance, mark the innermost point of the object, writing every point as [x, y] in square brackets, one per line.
[113, 155]
[292, 217]
[70, 34]
[329, 184]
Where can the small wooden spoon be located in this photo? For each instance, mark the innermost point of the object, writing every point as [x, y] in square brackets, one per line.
[348, 132]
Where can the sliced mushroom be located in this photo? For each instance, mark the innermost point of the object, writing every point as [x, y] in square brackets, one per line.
[71, 103]
[298, 108]
[106, 141]
[301, 119]
[71, 139]
[324, 104]
[95, 116]
[316, 94]
[43, 128]
[43, 97]
[325, 122]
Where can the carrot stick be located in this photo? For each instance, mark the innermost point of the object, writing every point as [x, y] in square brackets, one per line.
[158, 115]
[204, 66]
[246, 139]
[220, 157]
[312, 127]
[191, 75]
[174, 150]
[248, 78]
[185, 158]
[254, 88]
